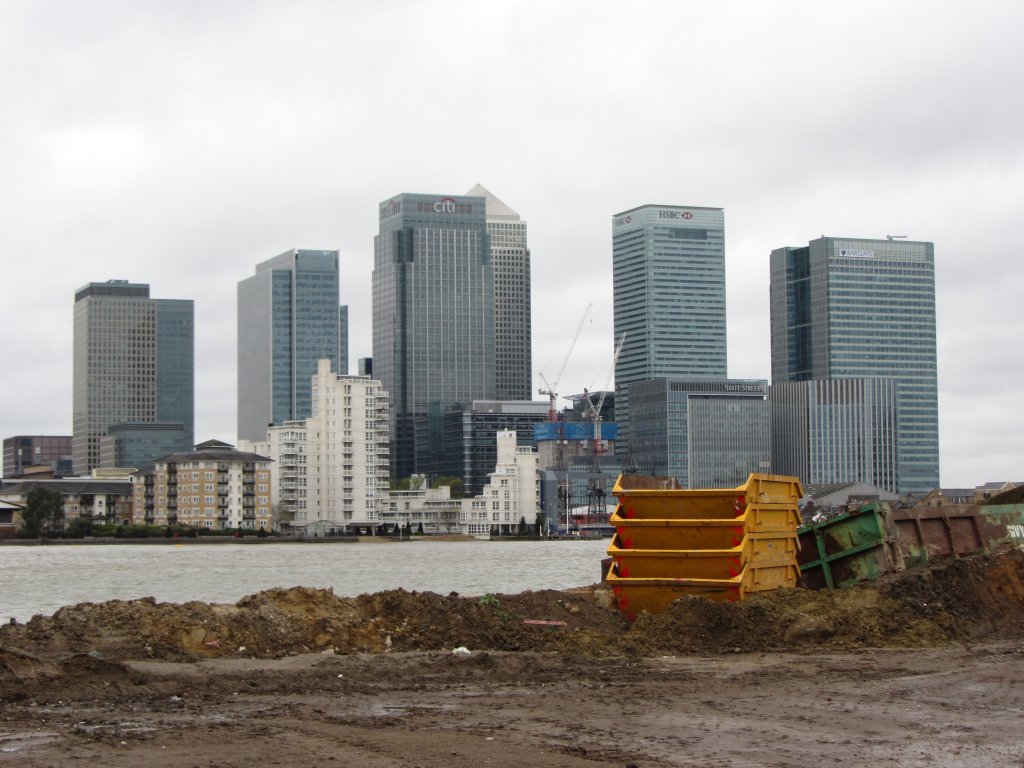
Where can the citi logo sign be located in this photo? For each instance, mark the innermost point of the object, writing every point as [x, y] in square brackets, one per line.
[444, 205]
[390, 208]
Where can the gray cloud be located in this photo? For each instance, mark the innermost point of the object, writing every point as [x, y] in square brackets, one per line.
[181, 143]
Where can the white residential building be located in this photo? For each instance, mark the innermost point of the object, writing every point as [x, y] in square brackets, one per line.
[511, 497]
[430, 510]
[330, 471]
[510, 500]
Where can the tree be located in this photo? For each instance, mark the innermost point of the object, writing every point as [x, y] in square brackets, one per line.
[280, 514]
[78, 528]
[455, 484]
[43, 513]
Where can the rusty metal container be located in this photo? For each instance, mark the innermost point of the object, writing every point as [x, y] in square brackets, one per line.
[855, 546]
[878, 539]
[957, 530]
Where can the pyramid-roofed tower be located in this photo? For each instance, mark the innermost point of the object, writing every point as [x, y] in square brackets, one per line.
[512, 323]
[496, 209]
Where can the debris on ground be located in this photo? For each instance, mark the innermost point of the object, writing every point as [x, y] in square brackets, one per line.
[951, 601]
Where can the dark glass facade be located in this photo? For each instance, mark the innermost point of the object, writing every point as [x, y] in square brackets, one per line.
[461, 441]
[848, 308]
[136, 445]
[133, 362]
[23, 451]
[669, 298]
[288, 319]
[705, 433]
[433, 312]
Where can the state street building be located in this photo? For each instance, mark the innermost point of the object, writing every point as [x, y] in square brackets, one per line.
[705, 433]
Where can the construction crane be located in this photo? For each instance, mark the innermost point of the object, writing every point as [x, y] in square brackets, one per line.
[595, 410]
[551, 390]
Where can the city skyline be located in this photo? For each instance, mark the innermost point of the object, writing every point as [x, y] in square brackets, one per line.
[184, 171]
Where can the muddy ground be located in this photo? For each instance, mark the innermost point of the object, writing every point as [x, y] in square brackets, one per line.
[920, 669]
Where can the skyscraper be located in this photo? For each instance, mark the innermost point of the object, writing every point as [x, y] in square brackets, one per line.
[855, 308]
[835, 431]
[133, 364]
[510, 257]
[288, 319]
[433, 311]
[669, 293]
[706, 433]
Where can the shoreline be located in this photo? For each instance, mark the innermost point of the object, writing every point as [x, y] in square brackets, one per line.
[247, 540]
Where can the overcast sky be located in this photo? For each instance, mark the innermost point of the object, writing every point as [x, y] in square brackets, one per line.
[179, 143]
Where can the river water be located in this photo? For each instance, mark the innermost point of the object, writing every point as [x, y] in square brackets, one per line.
[41, 579]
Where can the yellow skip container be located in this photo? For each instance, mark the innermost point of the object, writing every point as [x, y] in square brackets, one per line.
[720, 544]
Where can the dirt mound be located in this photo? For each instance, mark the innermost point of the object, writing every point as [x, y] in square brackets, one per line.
[951, 601]
[959, 600]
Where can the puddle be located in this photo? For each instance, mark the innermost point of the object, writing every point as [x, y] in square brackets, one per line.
[17, 742]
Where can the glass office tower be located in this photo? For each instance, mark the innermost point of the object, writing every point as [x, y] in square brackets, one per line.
[133, 363]
[706, 433]
[835, 431]
[851, 308]
[433, 311]
[669, 292]
[288, 319]
[510, 258]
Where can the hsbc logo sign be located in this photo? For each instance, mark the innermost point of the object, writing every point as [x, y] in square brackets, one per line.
[675, 215]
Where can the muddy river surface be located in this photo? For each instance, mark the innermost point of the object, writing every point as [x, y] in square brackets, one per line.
[41, 579]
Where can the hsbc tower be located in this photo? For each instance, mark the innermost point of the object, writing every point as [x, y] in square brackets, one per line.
[668, 266]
